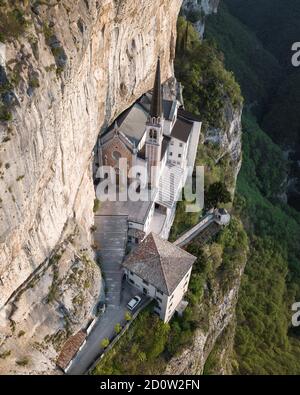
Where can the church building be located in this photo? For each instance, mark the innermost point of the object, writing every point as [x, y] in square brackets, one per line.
[158, 136]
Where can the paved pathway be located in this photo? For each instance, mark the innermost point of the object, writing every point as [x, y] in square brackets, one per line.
[104, 328]
[111, 238]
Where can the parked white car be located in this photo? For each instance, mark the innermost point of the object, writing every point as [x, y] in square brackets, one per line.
[134, 303]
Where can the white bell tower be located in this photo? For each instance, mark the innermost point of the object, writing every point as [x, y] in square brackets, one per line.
[154, 130]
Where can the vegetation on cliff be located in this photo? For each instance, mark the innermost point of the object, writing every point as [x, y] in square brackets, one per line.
[219, 263]
[265, 343]
[199, 67]
[216, 269]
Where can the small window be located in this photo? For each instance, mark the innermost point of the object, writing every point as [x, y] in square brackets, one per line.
[145, 282]
[160, 292]
[132, 282]
[159, 299]
[180, 145]
[171, 153]
[179, 155]
[131, 273]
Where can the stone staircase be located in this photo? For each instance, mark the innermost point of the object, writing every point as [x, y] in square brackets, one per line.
[111, 238]
[169, 185]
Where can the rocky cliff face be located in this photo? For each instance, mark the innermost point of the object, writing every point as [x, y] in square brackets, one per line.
[67, 69]
[216, 330]
[227, 141]
[196, 11]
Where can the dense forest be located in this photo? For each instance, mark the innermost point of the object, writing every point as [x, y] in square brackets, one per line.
[258, 49]
[256, 38]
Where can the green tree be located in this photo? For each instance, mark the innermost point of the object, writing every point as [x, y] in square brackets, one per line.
[217, 193]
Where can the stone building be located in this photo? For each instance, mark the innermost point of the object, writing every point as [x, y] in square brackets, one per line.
[161, 271]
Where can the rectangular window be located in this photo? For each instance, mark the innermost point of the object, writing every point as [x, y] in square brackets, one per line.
[131, 273]
[159, 299]
[171, 153]
[132, 282]
[145, 282]
[179, 155]
[180, 145]
[160, 292]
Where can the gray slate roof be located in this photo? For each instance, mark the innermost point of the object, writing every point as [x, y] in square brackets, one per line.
[182, 129]
[160, 263]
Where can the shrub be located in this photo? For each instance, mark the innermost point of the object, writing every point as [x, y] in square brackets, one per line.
[23, 362]
[96, 205]
[118, 328]
[5, 354]
[105, 343]
[21, 333]
[128, 316]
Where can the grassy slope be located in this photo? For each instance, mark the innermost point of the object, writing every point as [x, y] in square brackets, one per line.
[272, 278]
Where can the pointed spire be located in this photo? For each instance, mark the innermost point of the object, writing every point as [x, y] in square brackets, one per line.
[156, 104]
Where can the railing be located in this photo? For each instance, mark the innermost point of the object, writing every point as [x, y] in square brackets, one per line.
[206, 220]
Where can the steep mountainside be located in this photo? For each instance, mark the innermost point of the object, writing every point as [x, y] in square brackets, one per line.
[265, 343]
[67, 69]
[258, 48]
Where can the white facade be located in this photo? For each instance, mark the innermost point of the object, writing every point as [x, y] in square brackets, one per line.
[166, 304]
[178, 152]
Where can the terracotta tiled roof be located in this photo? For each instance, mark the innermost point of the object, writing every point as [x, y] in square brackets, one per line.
[160, 263]
[70, 349]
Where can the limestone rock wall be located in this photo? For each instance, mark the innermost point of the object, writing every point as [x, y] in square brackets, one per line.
[79, 64]
[76, 66]
[196, 11]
